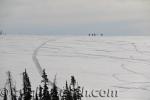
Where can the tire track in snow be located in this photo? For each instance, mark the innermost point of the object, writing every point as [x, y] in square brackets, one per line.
[36, 61]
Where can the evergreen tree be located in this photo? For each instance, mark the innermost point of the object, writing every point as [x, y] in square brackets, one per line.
[46, 95]
[54, 92]
[40, 92]
[72, 88]
[36, 95]
[75, 90]
[26, 87]
[67, 93]
[78, 94]
[14, 94]
[20, 95]
[73, 81]
[5, 94]
[11, 87]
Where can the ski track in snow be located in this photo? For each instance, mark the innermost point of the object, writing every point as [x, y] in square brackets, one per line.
[115, 76]
[36, 61]
[91, 55]
[129, 83]
[129, 56]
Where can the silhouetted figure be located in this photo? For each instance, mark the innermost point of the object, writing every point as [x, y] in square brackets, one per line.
[1, 32]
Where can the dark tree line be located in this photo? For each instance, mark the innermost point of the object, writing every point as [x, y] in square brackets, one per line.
[70, 91]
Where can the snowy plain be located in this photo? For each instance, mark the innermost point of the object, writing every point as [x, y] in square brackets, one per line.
[121, 63]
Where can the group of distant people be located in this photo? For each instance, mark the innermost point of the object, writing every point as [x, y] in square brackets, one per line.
[93, 34]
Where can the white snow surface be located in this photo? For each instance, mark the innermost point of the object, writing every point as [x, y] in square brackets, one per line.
[113, 62]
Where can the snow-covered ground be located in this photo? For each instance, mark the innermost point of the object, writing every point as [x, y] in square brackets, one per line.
[117, 63]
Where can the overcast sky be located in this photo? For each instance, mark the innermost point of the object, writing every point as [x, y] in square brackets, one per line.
[111, 17]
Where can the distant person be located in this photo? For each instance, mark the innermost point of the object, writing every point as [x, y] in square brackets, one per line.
[1, 32]
[101, 34]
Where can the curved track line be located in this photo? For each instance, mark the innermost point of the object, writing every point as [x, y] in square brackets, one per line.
[128, 82]
[36, 61]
